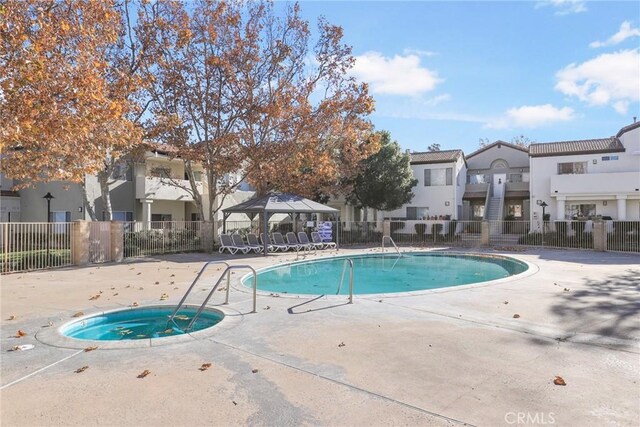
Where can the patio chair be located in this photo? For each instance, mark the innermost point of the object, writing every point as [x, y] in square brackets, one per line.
[304, 239]
[279, 240]
[252, 242]
[315, 238]
[293, 240]
[226, 243]
[239, 242]
[273, 247]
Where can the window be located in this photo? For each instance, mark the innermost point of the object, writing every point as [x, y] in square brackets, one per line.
[478, 211]
[515, 210]
[515, 177]
[160, 172]
[122, 171]
[60, 216]
[197, 176]
[572, 168]
[579, 211]
[157, 219]
[607, 158]
[476, 179]
[438, 177]
[417, 212]
[122, 216]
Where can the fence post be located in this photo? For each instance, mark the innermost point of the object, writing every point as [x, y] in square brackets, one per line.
[117, 241]
[80, 242]
[206, 236]
[386, 228]
[485, 233]
[599, 236]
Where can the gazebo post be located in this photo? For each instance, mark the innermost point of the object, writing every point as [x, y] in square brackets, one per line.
[225, 215]
[265, 231]
[337, 232]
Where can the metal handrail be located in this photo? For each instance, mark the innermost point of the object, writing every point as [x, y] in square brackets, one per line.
[348, 260]
[186, 294]
[228, 271]
[392, 242]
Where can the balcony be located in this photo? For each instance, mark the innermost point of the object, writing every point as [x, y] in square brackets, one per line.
[163, 189]
[596, 184]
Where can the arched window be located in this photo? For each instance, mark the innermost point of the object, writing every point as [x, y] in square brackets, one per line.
[499, 164]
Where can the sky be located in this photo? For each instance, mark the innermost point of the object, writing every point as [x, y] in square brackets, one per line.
[454, 72]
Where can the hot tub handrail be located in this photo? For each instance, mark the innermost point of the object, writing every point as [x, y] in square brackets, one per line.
[392, 242]
[227, 271]
[204, 267]
[349, 262]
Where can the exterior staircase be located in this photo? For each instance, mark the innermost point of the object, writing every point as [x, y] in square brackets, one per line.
[494, 214]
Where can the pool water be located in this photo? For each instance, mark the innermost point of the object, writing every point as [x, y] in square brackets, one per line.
[386, 273]
[140, 323]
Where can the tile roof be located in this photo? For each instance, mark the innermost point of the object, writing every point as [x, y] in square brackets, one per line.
[474, 195]
[627, 129]
[493, 144]
[585, 146]
[445, 156]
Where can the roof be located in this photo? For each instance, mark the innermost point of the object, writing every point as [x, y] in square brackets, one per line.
[475, 195]
[585, 146]
[8, 193]
[519, 193]
[506, 144]
[445, 156]
[279, 203]
[626, 129]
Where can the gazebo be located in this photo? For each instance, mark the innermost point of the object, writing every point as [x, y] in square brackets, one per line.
[273, 203]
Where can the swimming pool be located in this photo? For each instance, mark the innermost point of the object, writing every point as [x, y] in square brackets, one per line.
[139, 323]
[386, 273]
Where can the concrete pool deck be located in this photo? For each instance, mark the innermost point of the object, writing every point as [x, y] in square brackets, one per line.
[443, 358]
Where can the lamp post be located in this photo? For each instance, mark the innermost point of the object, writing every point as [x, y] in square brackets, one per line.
[544, 224]
[48, 197]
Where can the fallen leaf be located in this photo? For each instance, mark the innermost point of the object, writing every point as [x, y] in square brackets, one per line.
[567, 289]
[173, 275]
[50, 324]
[506, 302]
[234, 402]
[139, 274]
[144, 373]
[20, 333]
[516, 316]
[115, 294]
[135, 304]
[559, 381]
[254, 371]
[342, 344]
[267, 307]
[157, 283]
[95, 297]
[91, 348]
[113, 288]
[84, 368]
[164, 297]
[205, 366]
[12, 317]
[78, 314]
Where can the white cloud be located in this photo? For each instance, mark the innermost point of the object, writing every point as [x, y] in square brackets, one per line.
[564, 7]
[400, 75]
[623, 33]
[419, 52]
[610, 78]
[531, 116]
[436, 100]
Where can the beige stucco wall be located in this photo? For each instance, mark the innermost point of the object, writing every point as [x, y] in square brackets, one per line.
[67, 197]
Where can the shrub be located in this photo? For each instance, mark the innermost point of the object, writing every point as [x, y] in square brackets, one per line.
[420, 228]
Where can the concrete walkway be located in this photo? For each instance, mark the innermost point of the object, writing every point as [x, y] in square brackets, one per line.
[444, 358]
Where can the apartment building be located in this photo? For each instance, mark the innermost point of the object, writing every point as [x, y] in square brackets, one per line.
[439, 193]
[587, 178]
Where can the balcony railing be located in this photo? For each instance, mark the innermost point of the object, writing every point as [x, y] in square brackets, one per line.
[595, 183]
[164, 189]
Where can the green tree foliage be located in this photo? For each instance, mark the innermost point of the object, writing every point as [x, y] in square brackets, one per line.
[385, 180]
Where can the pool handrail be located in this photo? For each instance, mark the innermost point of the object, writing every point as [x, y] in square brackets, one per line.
[348, 261]
[392, 242]
[193, 284]
[227, 271]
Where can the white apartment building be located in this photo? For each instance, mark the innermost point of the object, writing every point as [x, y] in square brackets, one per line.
[587, 178]
[441, 179]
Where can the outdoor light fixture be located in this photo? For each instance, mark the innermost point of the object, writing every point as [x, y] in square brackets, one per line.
[48, 197]
[446, 203]
[604, 203]
[80, 209]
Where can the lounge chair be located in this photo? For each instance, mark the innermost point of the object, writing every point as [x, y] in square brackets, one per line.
[239, 242]
[272, 247]
[293, 240]
[226, 243]
[304, 239]
[253, 243]
[279, 240]
[315, 238]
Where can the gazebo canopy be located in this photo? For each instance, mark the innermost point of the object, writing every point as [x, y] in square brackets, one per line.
[272, 203]
[279, 203]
